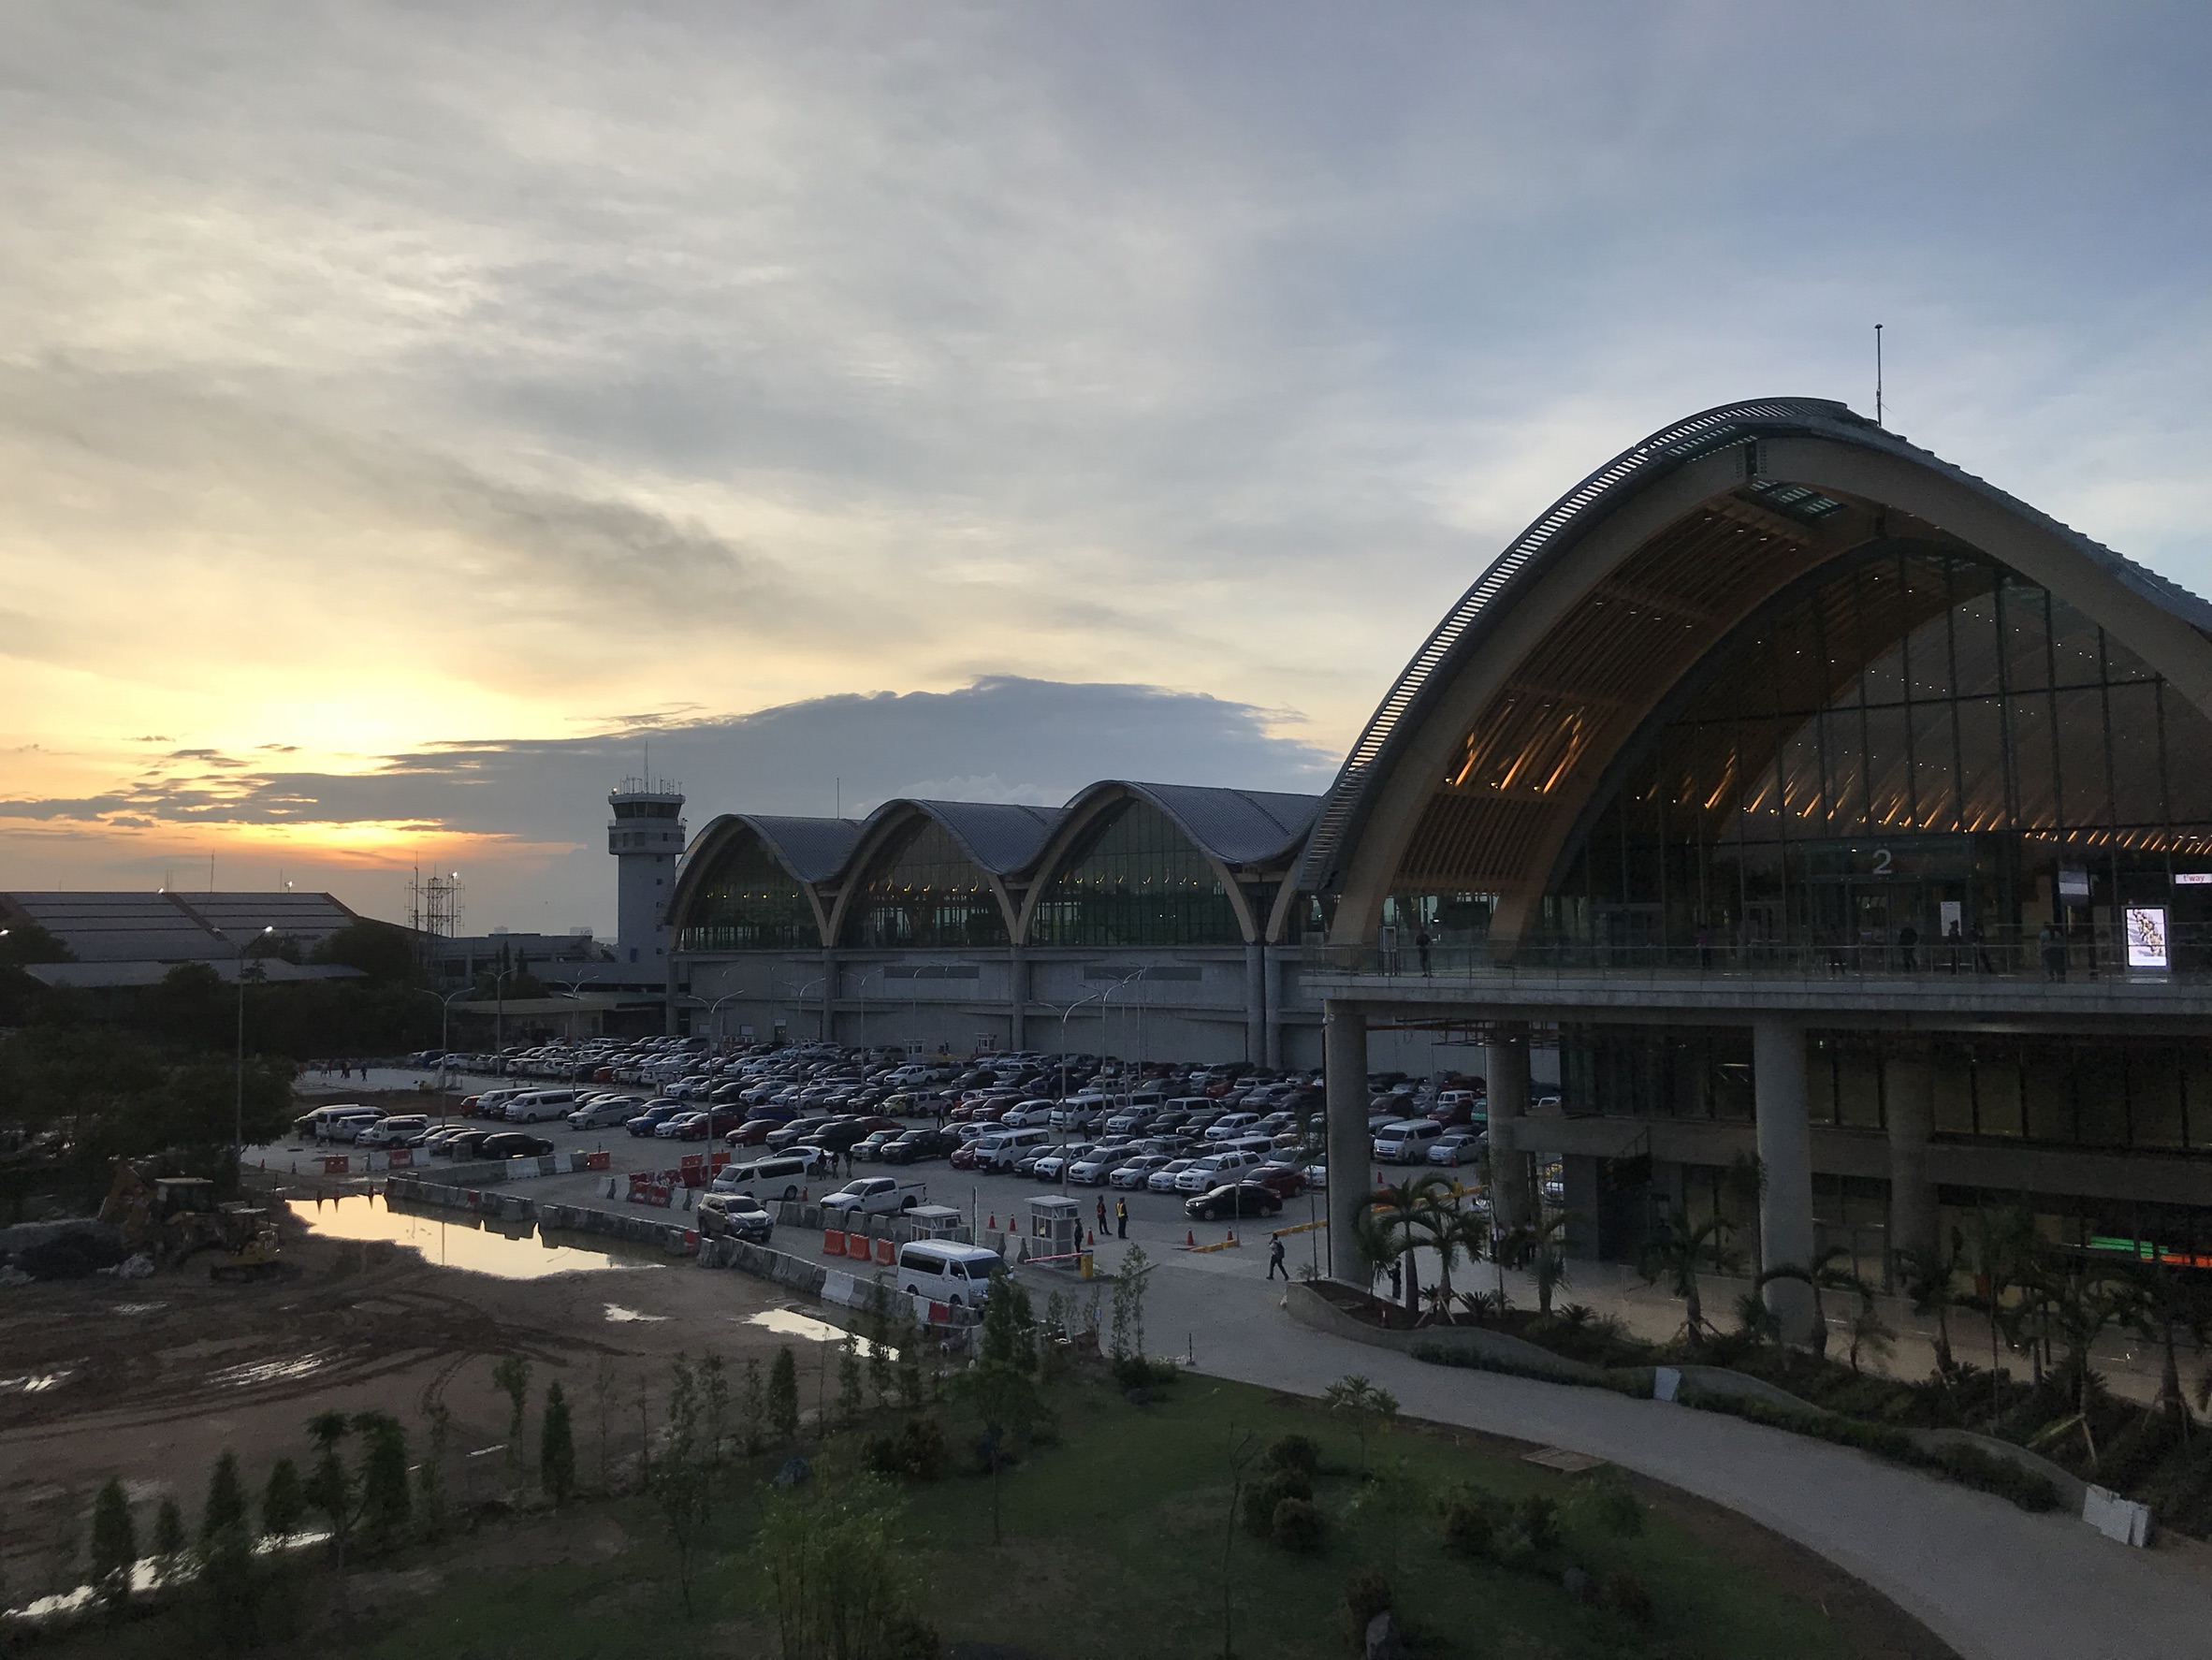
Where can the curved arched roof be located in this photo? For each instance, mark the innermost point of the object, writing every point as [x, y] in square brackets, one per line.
[1001, 837]
[812, 850]
[1617, 591]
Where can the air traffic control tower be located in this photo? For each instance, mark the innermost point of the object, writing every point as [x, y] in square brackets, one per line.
[645, 835]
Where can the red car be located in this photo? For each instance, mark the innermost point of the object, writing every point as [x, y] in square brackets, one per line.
[714, 1121]
[753, 1132]
[964, 1157]
[1285, 1181]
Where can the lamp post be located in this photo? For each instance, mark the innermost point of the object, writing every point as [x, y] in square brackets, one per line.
[499, 1024]
[445, 1045]
[238, 1096]
[794, 995]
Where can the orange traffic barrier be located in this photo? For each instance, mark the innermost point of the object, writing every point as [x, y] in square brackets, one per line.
[833, 1243]
[884, 1252]
[858, 1245]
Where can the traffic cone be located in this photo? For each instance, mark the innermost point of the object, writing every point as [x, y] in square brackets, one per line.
[1233, 1236]
[993, 1227]
[1094, 1237]
[1189, 1240]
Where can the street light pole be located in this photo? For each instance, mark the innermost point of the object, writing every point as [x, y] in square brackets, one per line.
[238, 1103]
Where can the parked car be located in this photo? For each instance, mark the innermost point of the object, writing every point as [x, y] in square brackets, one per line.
[406, 1129]
[1055, 1160]
[918, 1144]
[873, 1195]
[514, 1144]
[1407, 1141]
[1458, 1146]
[1285, 1181]
[870, 1148]
[650, 1120]
[1092, 1170]
[1163, 1180]
[1214, 1169]
[606, 1114]
[736, 1213]
[1132, 1171]
[1234, 1198]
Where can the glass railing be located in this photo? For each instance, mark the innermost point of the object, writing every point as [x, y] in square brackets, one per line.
[2088, 957]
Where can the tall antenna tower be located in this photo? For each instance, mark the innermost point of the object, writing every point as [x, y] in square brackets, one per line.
[434, 903]
[1877, 374]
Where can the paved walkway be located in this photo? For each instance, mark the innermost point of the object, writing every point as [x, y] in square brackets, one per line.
[1989, 1579]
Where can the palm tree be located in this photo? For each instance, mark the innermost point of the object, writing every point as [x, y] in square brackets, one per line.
[2003, 1249]
[1541, 1247]
[2168, 1307]
[1826, 1274]
[1929, 1278]
[1400, 1214]
[1676, 1252]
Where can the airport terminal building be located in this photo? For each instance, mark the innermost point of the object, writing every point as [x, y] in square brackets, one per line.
[1782, 790]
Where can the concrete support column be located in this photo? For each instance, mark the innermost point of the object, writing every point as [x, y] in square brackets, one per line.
[831, 992]
[1255, 1004]
[1344, 1048]
[1779, 1087]
[1909, 1098]
[1017, 997]
[1505, 1071]
[1272, 970]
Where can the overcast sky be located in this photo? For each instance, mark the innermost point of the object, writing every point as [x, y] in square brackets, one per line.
[405, 411]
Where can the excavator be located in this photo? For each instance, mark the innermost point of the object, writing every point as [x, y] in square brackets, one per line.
[174, 1218]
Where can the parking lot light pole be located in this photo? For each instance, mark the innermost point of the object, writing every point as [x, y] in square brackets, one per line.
[239, 1098]
[444, 1043]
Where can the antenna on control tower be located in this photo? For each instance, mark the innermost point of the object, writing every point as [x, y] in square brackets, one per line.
[1877, 374]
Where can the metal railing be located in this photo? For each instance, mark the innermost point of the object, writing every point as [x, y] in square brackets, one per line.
[2096, 956]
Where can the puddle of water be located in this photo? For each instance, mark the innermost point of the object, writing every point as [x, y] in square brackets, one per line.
[255, 1372]
[790, 1322]
[35, 1383]
[621, 1316]
[525, 1254]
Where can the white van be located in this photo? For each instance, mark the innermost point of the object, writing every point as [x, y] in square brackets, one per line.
[1000, 1150]
[541, 1103]
[947, 1273]
[317, 1123]
[1408, 1141]
[780, 1175]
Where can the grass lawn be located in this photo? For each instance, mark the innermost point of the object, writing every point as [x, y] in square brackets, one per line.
[1114, 1548]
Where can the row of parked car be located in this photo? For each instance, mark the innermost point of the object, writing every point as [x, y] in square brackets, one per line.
[372, 1128]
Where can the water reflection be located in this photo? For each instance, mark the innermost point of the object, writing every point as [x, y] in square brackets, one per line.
[517, 1250]
[790, 1322]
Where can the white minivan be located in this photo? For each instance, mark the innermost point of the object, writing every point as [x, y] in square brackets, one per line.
[777, 1176]
[541, 1103]
[1408, 1141]
[947, 1273]
[1000, 1150]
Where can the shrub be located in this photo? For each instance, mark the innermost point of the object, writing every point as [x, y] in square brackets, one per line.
[1136, 1372]
[1632, 1381]
[1603, 1498]
[1269, 1490]
[918, 1450]
[1535, 1519]
[1367, 1594]
[1293, 1452]
[1300, 1526]
[1625, 1595]
[1473, 1519]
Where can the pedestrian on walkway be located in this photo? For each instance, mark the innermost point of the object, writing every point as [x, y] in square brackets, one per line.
[1121, 1218]
[1274, 1258]
[1397, 1281]
[1101, 1213]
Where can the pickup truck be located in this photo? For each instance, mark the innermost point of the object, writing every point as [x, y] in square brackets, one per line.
[874, 1195]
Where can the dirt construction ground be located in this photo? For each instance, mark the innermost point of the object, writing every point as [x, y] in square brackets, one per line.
[151, 1380]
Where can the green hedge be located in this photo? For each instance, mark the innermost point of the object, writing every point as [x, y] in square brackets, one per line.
[1961, 1462]
[1625, 1380]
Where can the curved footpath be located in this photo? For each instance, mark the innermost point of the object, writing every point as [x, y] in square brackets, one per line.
[1992, 1581]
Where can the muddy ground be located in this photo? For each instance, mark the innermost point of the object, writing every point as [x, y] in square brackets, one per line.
[151, 1380]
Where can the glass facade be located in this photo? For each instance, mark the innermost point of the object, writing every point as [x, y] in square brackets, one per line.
[1917, 764]
[747, 901]
[1138, 881]
[929, 894]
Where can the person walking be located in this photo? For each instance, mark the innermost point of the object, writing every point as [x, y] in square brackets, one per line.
[1101, 1213]
[2054, 951]
[1274, 1258]
[1421, 943]
[1121, 1218]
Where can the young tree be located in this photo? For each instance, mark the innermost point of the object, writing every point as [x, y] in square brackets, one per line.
[1009, 1329]
[510, 1375]
[557, 1448]
[714, 1409]
[1541, 1245]
[429, 1476]
[114, 1545]
[332, 1489]
[1006, 1399]
[1676, 1253]
[882, 1385]
[1126, 1342]
[1831, 1271]
[1363, 1406]
[783, 1396]
[843, 1583]
[168, 1540]
[1399, 1214]
[911, 1385]
[1929, 1279]
[385, 1504]
[756, 1409]
[283, 1502]
[605, 1388]
[2168, 1306]
[1241, 1454]
[851, 1402]
[681, 1485]
[227, 1500]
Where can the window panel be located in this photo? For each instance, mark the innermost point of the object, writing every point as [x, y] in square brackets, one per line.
[2081, 758]
[2026, 632]
[747, 901]
[2188, 743]
[2035, 763]
[1889, 768]
[2154, 1095]
[2138, 794]
[1140, 882]
[1998, 1106]
[2049, 1079]
[1935, 769]
[2076, 646]
[930, 896]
